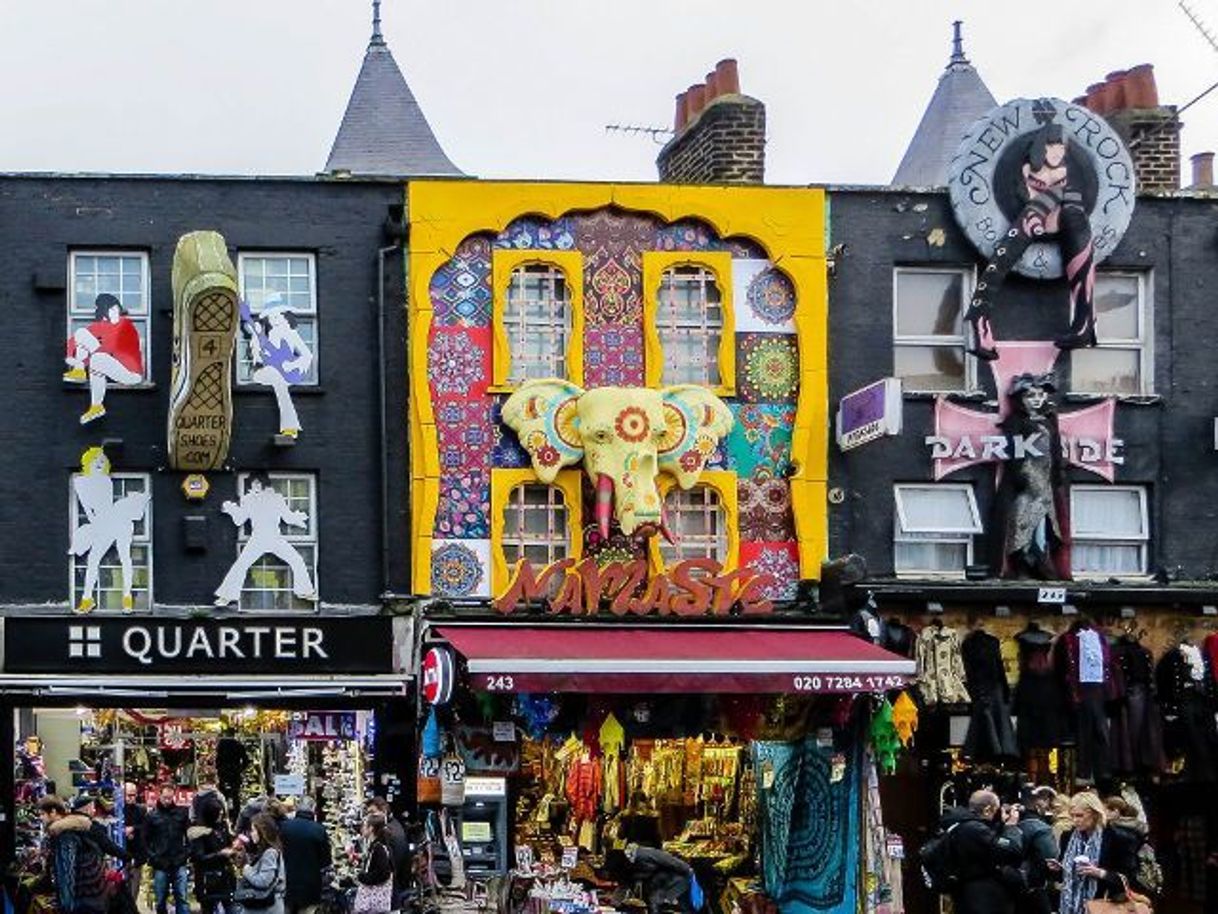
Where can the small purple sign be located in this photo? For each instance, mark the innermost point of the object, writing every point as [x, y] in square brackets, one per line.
[869, 413]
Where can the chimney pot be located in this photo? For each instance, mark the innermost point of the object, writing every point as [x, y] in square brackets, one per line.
[1140, 88]
[695, 98]
[727, 76]
[1095, 100]
[712, 86]
[1081, 100]
[1203, 170]
[1105, 97]
[681, 116]
[1116, 91]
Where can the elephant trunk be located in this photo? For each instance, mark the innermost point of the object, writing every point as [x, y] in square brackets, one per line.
[664, 531]
[604, 504]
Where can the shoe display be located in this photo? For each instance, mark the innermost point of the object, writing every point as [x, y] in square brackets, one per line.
[205, 319]
[128, 603]
[77, 375]
[85, 605]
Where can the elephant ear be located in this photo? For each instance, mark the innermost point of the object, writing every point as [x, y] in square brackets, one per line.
[695, 421]
[544, 414]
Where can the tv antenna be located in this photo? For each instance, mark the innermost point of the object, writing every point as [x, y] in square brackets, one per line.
[658, 134]
[1200, 25]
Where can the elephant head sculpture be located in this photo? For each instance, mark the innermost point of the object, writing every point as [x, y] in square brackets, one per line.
[624, 436]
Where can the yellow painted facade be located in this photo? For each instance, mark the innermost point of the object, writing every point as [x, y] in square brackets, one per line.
[788, 223]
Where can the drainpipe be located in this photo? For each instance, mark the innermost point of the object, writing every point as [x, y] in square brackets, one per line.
[398, 231]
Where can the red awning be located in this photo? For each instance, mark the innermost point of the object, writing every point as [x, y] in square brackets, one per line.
[511, 657]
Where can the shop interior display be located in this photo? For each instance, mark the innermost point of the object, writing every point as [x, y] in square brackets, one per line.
[246, 753]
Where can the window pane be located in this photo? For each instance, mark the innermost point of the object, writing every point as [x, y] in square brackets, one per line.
[930, 367]
[1106, 558]
[537, 320]
[929, 304]
[689, 320]
[1115, 513]
[698, 521]
[1116, 307]
[1114, 371]
[929, 556]
[940, 509]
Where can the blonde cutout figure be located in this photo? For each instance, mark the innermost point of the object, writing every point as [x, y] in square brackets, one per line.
[107, 524]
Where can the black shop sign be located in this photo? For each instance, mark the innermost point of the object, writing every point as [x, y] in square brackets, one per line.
[145, 646]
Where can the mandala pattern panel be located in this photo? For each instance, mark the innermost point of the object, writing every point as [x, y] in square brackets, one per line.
[506, 451]
[761, 438]
[531, 233]
[612, 243]
[466, 434]
[461, 289]
[461, 568]
[822, 853]
[779, 560]
[764, 503]
[613, 356]
[464, 507]
[768, 367]
[764, 297]
[459, 362]
[688, 235]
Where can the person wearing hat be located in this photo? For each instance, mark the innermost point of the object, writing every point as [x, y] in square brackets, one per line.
[86, 806]
[279, 355]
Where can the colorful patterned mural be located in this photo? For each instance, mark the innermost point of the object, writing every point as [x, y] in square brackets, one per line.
[778, 298]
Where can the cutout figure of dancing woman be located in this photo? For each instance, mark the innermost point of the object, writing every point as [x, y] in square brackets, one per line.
[280, 356]
[108, 523]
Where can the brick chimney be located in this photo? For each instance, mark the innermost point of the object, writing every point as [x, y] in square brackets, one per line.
[720, 134]
[1129, 101]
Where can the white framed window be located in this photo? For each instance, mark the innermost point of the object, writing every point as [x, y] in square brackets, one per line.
[1121, 361]
[121, 274]
[1110, 526]
[281, 280]
[698, 520]
[537, 320]
[535, 525]
[928, 332]
[935, 526]
[269, 583]
[107, 593]
[689, 320]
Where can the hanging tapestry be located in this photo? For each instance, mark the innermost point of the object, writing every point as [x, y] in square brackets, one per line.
[809, 811]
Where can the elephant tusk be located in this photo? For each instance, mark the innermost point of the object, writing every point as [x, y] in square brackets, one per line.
[664, 531]
[604, 503]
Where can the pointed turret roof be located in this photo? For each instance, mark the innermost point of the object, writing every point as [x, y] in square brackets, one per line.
[384, 131]
[959, 100]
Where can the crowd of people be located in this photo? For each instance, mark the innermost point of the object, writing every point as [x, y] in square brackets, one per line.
[275, 859]
[1048, 855]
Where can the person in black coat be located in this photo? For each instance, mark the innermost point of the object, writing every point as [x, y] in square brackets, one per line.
[211, 853]
[134, 814]
[306, 855]
[666, 879]
[1096, 861]
[165, 839]
[399, 845]
[1039, 849]
[986, 851]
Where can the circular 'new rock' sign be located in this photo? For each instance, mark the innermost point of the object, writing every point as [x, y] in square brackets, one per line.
[1000, 168]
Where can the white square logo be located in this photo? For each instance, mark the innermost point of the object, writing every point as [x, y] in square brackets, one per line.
[84, 641]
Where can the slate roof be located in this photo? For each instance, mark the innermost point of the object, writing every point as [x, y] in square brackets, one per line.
[960, 99]
[384, 131]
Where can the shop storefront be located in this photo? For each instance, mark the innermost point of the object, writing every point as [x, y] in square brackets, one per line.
[284, 707]
[742, 749]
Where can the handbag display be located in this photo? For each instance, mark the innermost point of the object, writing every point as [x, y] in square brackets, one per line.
[1132, 903]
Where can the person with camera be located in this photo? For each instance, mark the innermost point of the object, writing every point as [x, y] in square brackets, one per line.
[263, 879]
[985, 850]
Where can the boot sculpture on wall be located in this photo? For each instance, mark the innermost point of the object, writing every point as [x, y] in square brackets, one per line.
[205, 320]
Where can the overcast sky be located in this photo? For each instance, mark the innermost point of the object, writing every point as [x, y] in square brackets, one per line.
[524, 88]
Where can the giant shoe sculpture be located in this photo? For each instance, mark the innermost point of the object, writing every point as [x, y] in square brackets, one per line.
[205, 319]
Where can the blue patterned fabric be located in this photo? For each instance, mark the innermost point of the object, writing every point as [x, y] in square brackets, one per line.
[810, 828]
